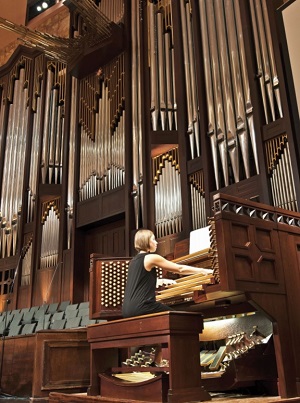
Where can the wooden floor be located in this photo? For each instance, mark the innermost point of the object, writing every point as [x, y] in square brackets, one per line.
[216, 398]
[13, 399]
[225, 398]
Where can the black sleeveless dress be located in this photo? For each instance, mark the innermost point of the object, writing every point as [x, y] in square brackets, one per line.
[139, 298]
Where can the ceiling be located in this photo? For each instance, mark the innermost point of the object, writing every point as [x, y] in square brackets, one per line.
[9, 11]
[17, 15]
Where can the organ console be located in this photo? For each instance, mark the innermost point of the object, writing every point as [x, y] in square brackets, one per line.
[249, 305]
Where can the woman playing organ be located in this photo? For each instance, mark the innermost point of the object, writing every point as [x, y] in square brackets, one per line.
[140, 289]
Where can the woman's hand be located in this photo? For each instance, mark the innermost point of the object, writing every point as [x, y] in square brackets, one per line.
[154, 260]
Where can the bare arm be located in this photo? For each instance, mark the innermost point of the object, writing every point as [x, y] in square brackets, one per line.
[154, 260]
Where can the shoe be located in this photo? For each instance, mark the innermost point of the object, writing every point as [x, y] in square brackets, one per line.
[162, 364]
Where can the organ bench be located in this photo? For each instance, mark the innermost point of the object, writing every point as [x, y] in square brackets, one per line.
[177, 332]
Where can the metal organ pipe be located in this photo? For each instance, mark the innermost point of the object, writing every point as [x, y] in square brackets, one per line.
[113, 10]
[138, 78]
[27, 260]
[198, 200]
[95, 19]
[19, 166]
[12, 132]
[36, 106]
[70, 201]
[274, 75]
[259, 60]
[161, 64]
[50, 229]
[188, 60]
[137, 185]
[154, 107]
[44, 159]
[219, 107]
[9, 162]
[101, 117]
[58, 141]
[212, 133]
[237, 89]
[12, 135]
[53, 133]
[266, 66]
[161, 70]
[168, 203]
[2, 109]
[292, 183]
[246, 91]
[194, 92]
[232, 144]
[265, 55]
[170, 100]
[14, 156]
[280, 173]
[230, 109]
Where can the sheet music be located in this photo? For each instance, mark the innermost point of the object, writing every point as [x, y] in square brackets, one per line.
[199, 239]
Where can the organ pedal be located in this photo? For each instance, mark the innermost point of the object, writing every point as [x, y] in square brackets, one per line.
[214, 362]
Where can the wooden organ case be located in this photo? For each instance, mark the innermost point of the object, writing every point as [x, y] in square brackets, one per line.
[255, 256]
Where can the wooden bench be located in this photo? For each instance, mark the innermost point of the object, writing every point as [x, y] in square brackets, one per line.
[177, 332]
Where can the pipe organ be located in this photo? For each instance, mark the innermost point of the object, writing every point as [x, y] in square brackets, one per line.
[138, 119]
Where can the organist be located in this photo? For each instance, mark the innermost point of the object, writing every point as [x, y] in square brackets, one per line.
[139, 298]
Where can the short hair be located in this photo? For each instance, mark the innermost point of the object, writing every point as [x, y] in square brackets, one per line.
[142, 239]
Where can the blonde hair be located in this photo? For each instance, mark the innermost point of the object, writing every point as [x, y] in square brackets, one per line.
[142, 240]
